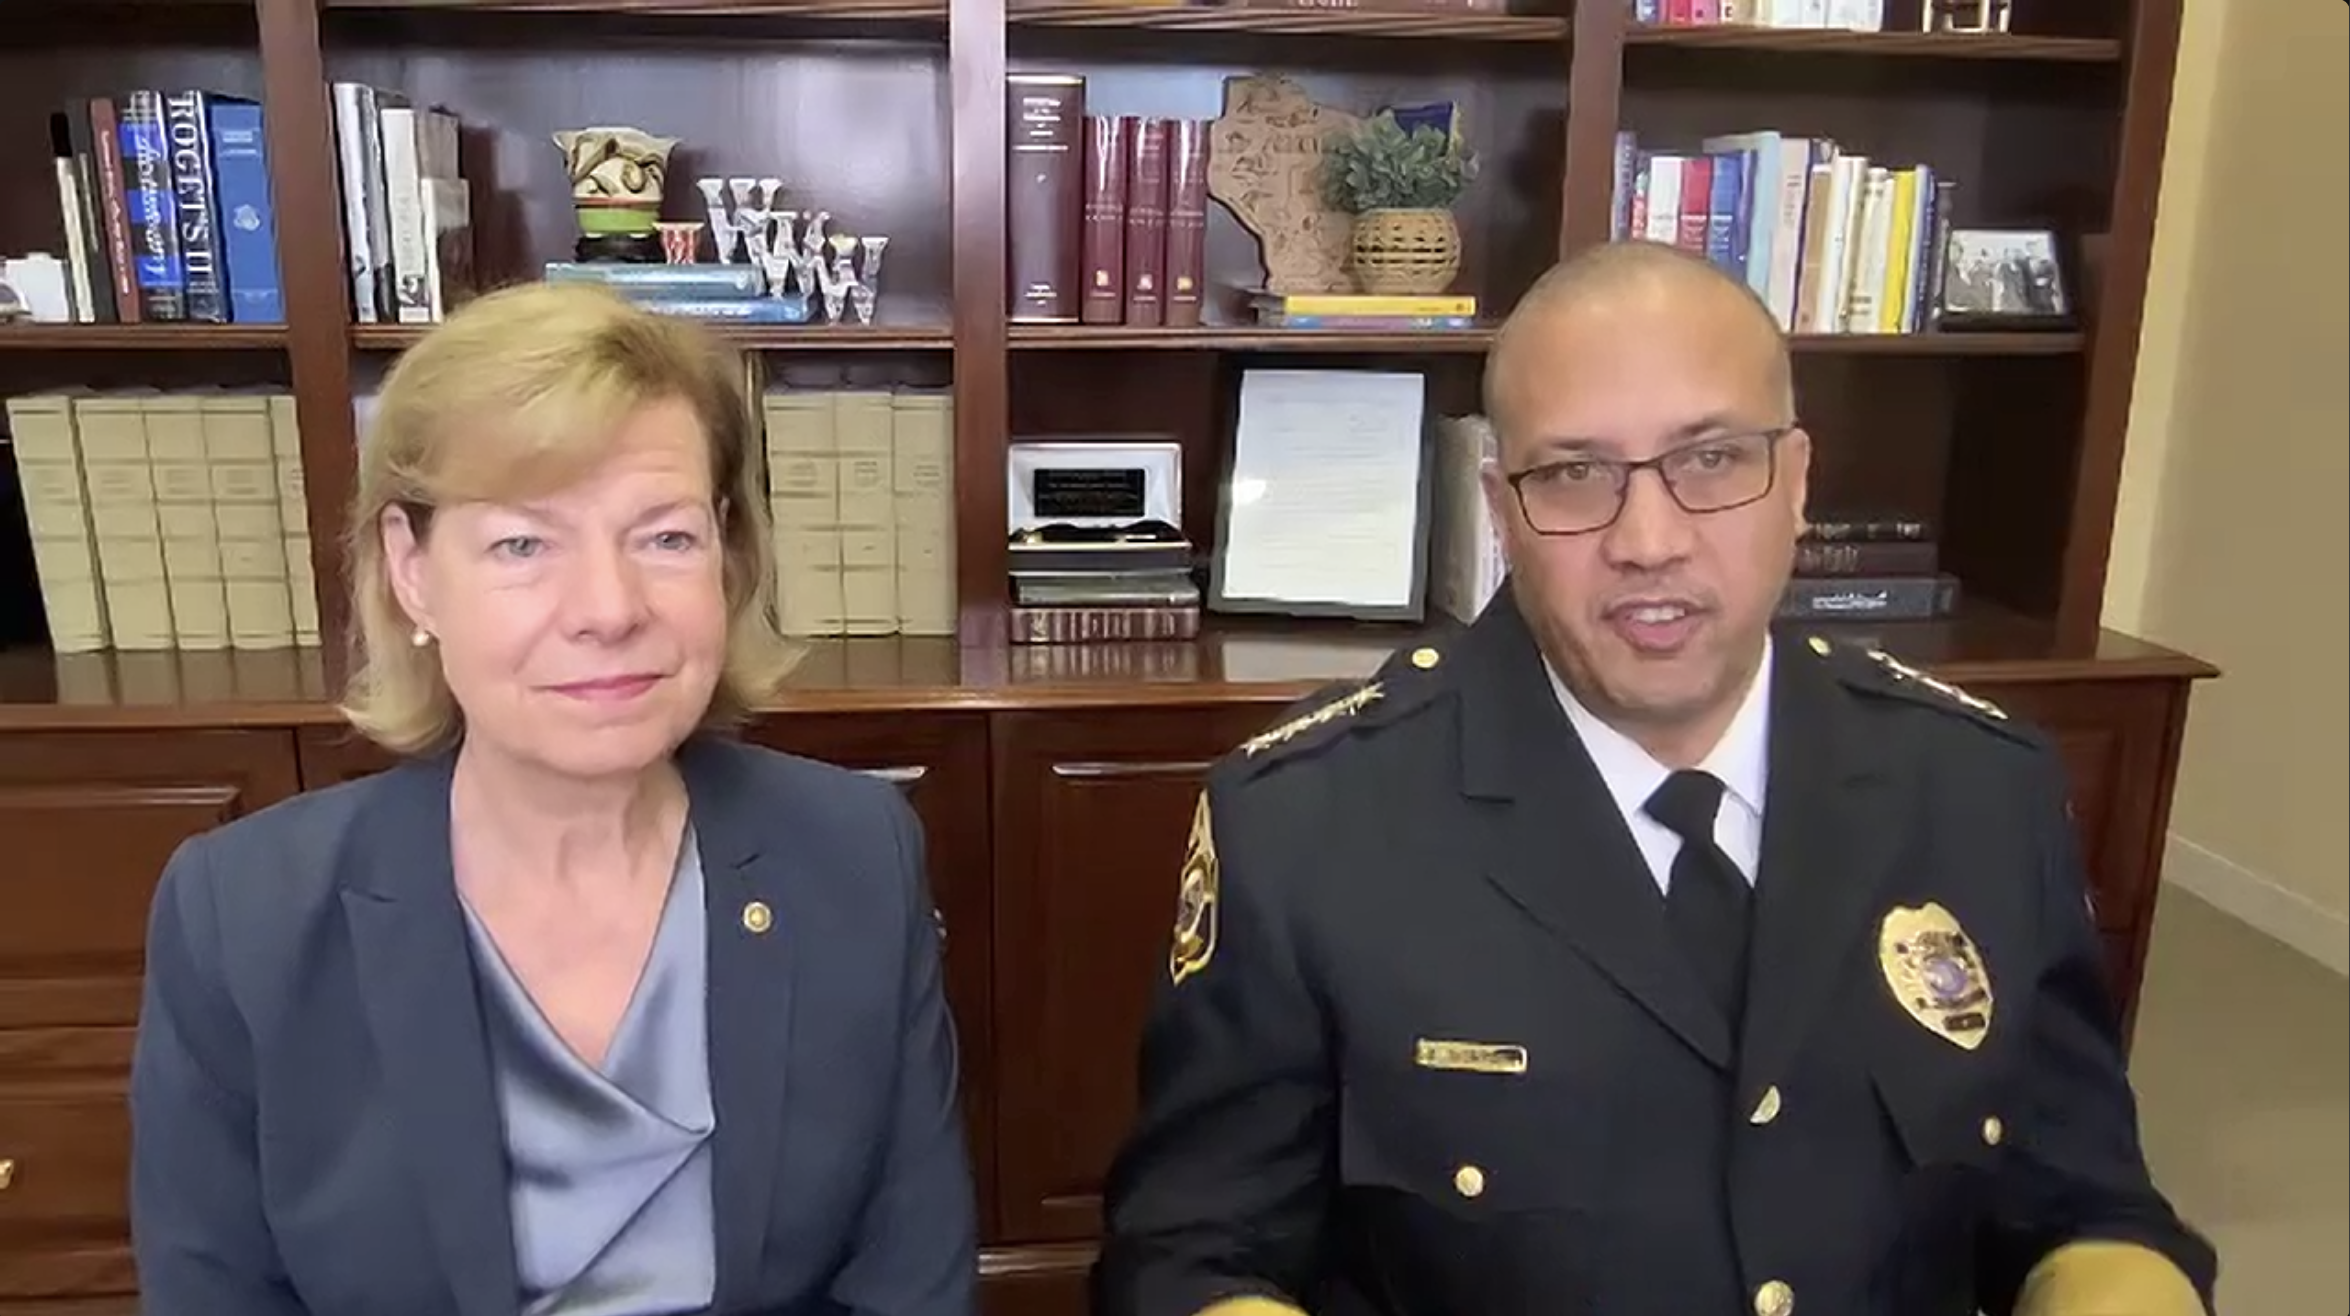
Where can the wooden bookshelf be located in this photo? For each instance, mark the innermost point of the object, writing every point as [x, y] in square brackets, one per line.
[1055, 782]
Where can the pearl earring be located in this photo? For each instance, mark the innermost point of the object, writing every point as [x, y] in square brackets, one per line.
[420, 637]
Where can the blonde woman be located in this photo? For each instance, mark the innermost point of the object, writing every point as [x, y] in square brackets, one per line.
[584, 1009]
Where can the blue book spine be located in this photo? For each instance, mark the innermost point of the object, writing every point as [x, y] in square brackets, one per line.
[147, 198]
[792, 309]
[1742, 216]
[1721, 212]
[248, 221]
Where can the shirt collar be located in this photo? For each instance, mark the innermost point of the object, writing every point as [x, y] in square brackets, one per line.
[1739, 760]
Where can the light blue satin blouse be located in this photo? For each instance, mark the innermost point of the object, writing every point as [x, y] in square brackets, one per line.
[609, 1169]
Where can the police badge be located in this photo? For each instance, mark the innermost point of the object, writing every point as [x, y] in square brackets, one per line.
[1195, 900]
[1936, 973]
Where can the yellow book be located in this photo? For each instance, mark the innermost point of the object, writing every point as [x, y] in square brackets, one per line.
[1369, 304]
[1892, 298]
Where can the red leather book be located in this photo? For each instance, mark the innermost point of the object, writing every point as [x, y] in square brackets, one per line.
[1146, 219]
[1104, 301]
[1043, 196]
[1187, 219]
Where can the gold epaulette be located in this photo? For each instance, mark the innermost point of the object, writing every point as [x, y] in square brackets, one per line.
[1887, 674]
[1346, 705]
[1390, 691]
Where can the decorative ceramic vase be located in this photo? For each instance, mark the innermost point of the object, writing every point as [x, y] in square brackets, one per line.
[616, 176]
[1406, 252]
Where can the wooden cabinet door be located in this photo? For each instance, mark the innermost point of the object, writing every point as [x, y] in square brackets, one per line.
[87, 821]
[1092, 809]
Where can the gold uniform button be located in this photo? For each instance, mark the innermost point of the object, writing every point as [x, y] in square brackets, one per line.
[1425, 658]
[1469, 1181]
[1774, 1299]
[1768, 1108]
[1821, 646]
[757, 918]
[1994, 1132]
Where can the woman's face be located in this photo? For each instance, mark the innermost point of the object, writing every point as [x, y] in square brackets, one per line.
[582, 632]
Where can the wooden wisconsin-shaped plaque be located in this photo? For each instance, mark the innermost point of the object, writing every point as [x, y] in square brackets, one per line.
[1265, 166]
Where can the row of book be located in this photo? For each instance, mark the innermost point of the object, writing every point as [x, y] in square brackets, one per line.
[1851, 15]
[1107, 214]
[860, 487]
[1848, 567]
[166, 210]
[1832, 240]
[166, 520]
[176, 519]
[406, 206]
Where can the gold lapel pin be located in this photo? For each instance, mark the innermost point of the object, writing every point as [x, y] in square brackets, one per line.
[757, 918]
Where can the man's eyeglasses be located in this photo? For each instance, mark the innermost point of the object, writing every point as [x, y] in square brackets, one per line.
[1577, 495]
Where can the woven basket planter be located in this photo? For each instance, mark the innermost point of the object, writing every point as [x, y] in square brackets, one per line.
[1406, 252]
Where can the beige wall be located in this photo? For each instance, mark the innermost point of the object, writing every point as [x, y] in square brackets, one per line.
[2230, 538]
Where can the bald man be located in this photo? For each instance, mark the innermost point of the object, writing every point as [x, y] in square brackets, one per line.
[1624, 958]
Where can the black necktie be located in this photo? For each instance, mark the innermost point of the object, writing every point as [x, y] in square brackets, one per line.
[1708, 898]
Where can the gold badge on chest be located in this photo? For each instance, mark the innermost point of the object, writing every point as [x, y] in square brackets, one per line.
[1936, 973]
[1195, 900]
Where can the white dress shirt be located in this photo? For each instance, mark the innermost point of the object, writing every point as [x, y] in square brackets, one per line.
[1739, 760]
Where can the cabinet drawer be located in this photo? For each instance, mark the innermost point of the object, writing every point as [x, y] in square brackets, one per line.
[65, 1150]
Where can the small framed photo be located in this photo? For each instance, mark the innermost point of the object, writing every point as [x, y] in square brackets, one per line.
[2003, 278]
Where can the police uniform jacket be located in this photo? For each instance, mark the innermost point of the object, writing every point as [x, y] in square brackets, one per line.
[1426, 1042]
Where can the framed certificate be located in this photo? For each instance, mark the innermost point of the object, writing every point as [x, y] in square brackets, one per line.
[1324, 506]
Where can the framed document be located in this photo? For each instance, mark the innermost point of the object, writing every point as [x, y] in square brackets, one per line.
[1324, 505]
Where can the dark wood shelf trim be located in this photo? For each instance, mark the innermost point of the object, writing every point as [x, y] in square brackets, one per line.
[1449, 25]
[813, 337]
[1244, 338]
[901, 674]
[1241, 338]
[1938, 344]
[1925, 45]
[849, 10]
[140, 337]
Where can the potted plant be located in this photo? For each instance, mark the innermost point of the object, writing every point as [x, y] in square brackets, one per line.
[1400, 187]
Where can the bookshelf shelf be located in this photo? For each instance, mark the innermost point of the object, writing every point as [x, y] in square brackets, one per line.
[2000, 46]
[765, 337]
[140, 337]
[853, 10]
[1941, 344]
[1241, 338]
[1450, 26]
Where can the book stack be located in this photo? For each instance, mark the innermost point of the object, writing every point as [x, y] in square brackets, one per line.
[1369, 313]
[860, 489]
[1869, 568]
[1087, 584]
[166, 520]
[736, 294]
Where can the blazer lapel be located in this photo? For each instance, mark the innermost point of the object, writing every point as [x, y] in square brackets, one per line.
[1833, 819]
[751, 927]
[408, 939]
[1557, 845]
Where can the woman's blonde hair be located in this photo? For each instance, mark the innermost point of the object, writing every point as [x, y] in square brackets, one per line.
[517, 393]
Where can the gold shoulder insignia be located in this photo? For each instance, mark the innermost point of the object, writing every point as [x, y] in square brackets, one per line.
[1345, 705]
[1902, 671]
[1195, 900]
